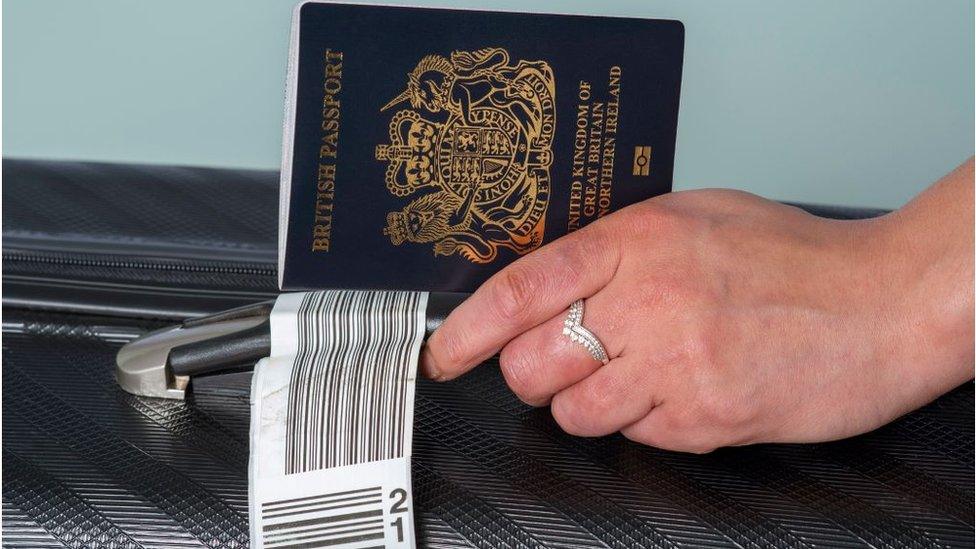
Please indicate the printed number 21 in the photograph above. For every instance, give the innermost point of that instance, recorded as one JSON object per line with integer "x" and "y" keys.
{"x": 399, "y": 497}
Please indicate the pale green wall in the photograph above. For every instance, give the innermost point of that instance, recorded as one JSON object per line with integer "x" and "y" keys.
{"x": 844, "y": 101}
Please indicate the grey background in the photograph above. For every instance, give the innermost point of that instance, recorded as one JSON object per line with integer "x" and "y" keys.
{"x": 832, "y": 101}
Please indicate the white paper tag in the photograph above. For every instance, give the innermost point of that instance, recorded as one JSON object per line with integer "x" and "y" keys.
{"x": 332, "y": 421}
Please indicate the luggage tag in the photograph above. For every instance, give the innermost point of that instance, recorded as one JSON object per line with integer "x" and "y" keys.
{"x": 332, "y": 421}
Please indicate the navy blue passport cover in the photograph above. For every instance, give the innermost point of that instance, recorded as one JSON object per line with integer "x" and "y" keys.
{"x": 425, "y": 149}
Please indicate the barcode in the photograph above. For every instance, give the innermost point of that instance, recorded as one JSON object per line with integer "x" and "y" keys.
{"x": 326, "y": 520}
{"x": 348, "y": 398}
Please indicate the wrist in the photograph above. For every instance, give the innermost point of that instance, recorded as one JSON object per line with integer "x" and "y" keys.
{"x": 923, "y": 300}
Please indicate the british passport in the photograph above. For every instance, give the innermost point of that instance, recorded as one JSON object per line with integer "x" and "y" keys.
{"x": 425, "y": 149}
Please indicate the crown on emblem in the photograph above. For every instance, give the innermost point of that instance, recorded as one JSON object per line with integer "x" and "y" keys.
{"x": 410, "y": 153}
{"x": 396, "y": 227}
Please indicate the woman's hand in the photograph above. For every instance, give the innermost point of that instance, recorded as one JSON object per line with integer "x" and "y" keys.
{"x": 730, "y": 319}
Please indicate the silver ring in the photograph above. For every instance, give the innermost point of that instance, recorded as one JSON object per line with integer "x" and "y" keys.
{"x": 573, "y": 328}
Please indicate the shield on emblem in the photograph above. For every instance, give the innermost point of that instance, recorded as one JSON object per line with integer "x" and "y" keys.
{"x": 479, "y": 155}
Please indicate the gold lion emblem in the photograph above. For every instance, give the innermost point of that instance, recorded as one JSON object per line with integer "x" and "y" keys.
{"x": 477, "y": 145}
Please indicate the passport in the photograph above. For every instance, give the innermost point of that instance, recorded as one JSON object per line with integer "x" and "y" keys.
{"x": 425, "y": 149}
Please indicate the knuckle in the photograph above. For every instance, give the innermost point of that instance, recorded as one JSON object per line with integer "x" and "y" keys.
{"x": 720, "y": 409}
{"x": 450, "y": 349}
{"x": 596, "y": 240}
{"x": 715, "y": 410}
{"x": 598, "y": 395}
{"x": 583, "y": 410}
{"x": 731, "y": 414}
{"x": 705, "y": 340}
{"x": 519, "y": 367}
{"x": 698, "y": 355}
{"x": 572, "y": 258}
{"x": 715, "y": 403}
{"x": 568, "y": 415}
{"x": 516, "y": 292}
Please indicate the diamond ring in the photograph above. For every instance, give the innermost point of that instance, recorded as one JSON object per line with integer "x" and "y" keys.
{"x": 573, "y": 328}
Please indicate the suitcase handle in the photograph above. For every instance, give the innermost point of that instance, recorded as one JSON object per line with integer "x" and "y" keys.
{"x": 161, "y": 363}
{"x": 244, "y": 348}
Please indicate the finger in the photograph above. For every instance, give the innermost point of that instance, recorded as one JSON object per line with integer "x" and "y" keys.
{"x": 544, "y": 361}
{"x": 613, "y": 397}
{"x": 521, "y": 296}
{"x": 663, "y": 429}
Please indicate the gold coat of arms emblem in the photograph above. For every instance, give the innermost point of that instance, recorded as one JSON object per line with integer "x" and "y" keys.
{"x": 474, "y": 151}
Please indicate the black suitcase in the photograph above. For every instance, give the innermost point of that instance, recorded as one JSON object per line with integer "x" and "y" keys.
{"x": 96, "y": 254}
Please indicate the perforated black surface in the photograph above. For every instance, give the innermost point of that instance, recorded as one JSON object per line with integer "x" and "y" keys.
{"x": 88, "y": 465}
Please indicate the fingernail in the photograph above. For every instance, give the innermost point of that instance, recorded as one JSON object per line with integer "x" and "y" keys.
{"x": 428, "y": 366}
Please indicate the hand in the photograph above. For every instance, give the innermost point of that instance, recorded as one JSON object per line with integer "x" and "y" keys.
{"x": 730, "y": 319}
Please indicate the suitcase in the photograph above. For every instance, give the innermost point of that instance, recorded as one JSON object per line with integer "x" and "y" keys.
{"x": 96, "y": 254}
